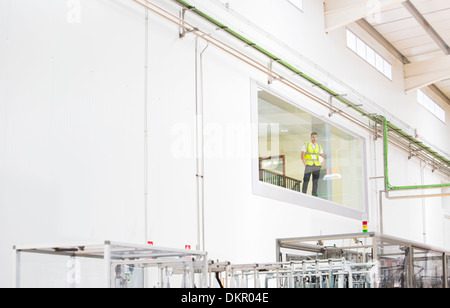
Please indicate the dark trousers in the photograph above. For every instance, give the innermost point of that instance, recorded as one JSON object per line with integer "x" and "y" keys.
{"x": 315, "y": 172}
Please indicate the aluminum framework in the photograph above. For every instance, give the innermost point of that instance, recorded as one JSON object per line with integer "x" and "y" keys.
{"x": 371, "y": 245}
{"x": 330, "y": 273}
{"x": 399, "y": 137}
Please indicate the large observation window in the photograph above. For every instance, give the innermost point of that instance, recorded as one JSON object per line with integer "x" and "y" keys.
{"x": 284, "y": 132}
{"x": 430, "y": 105}
{"x": 297, "y": 3}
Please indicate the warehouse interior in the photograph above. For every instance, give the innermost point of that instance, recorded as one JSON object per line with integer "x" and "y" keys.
{"x": 225, "y": 143}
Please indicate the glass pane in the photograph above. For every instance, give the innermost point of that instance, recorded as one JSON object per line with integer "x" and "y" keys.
{"x": 428, "y": 103}
{"x": 393, "y": 265}
{"x": 297, "y": 3}
{"x": 448, "y": 271}
{"x": 431, "y": 106}
{"x": 55, "y": 271}
{"x": 387, "y": 70}
{"x": 285, "y": 134}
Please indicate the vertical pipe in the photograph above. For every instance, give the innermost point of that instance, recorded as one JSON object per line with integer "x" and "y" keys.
{"x": 375, "y": 184}
{"x": 192, "y": 273}
{"x": 205, "y": 271}
{"x": 16, "y": 264}
{"x": 380, "y": 196}
{"x": 375, "y": 258}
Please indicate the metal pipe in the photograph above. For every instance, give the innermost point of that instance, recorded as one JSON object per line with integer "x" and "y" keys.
{"x": 107, "y": 264}
{"x": 199, "y": 148}
{"x": 146, "y": 48}
{"x": 16, "y": 267}
{"x": 417, "y": 196}
{"x": 424, "y": 211}
{"x": 275, "y": 76}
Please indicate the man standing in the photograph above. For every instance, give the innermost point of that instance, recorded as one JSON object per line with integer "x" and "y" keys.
{"x": 310, "y": 157}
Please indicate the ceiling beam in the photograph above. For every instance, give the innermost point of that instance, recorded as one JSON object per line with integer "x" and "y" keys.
{"x": 338, "y": 13}
{"x": 426, "y": 26}
{"x": 424, "y": 73}
{"x": 364, "y": 24}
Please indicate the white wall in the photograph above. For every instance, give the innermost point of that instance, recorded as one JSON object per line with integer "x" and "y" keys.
{"x": 72, "y": 110}
{"x": 71, "y": 124}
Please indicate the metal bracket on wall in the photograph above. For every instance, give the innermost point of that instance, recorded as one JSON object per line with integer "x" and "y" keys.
{"x": 401, "y": 137}
{"x": 377, "y": 129}
{"x": 183, "y": 31}
{"x": 413, "y": 152}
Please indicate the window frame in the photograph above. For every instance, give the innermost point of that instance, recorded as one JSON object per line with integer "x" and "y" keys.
{"x": 296, "y": 5}
{"x": 290, "y": 196}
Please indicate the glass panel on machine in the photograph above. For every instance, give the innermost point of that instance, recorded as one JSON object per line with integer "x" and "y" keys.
{"x": 332, "y": 263}
{"x": 327, "y": 164}
{"x": 59, "y": 271}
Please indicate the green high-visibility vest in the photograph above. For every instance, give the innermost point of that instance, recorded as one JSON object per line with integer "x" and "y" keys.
{"x": 312, "y": 155}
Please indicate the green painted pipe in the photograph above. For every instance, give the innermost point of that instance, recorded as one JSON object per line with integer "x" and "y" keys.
{"x": 387, "y": 185}
{"x": 310, "y": 79}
